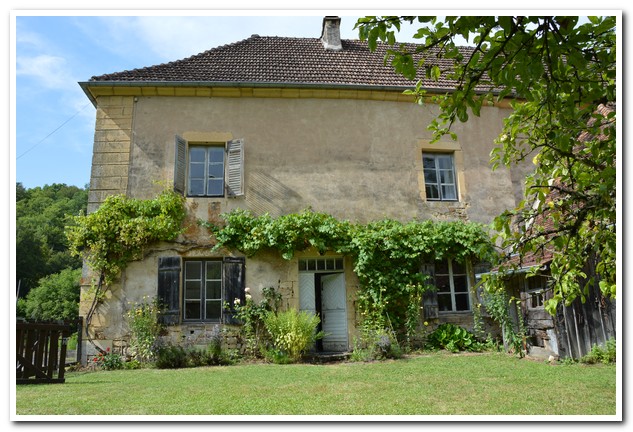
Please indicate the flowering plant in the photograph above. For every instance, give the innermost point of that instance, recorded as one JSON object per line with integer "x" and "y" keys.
{"x": 145, "y": 328}
{"x": 108, "y": 360}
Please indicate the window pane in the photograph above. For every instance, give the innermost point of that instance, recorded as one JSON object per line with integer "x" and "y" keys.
{"x": 216, "y": 170}
{"x": 444, "y": 303}
{"x": 196, "y": 171}
{"x": 458, "y": 268}
{"x": 302, "y": 265}
{"x": 428, "y": 162}
{"x": 461, "y": 302}
{"x": 192, "y": 310}
{"x": 432, "y": 192}
{"x": 214, "y": 290}
{"x": 213, "y": 310}
{"x": 320, "y": 264}
{"x": 193, "y": 270}
{"x": 197, "y": 154}
{"x": 196, "y": 187}
{"x": 339, "y": 264}
{"x": 215, "y": 187}
{"x": 193, "y": 290}
{"x": 460, "y": 283}
{"x": 443, "y": 283}
{"x": 446, "y": 176}
{"x": 214, "y": 270}
{"x": 445, "y": 162}
{"x": 448, "y": 192}
{"x": 430, "y": 176}
{"x": 216, "y": 154}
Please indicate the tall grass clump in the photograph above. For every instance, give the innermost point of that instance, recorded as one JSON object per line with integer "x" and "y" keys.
{"x": 292, "y": 333}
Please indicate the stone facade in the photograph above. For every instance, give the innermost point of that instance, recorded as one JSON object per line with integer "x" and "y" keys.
{"x": 355, "y": 155}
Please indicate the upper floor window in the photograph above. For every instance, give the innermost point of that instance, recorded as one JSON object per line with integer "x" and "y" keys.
{"x": 209, "y": 169}
{"x": 439, "y": 177}
{"x": 206, "y": 171}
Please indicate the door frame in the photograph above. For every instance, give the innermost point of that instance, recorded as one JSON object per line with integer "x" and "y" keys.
{"x": 318, "y": 287}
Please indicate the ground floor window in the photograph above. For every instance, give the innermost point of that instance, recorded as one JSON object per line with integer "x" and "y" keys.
{"x": 203, "y": 291}
{"x": 451, "y": 280}
{"x": 199, "y": 290}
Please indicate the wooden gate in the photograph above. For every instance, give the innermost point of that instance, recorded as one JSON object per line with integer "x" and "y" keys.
{"x": 41, "y": 351}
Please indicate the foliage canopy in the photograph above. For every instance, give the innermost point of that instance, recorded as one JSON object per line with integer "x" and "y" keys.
{"x": 41, "y": 247}
{"x": 560, "y": 73}
{"x": 119, "y": 230}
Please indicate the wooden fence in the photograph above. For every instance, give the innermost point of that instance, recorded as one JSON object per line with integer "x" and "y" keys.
{"x": 41, "y": 351}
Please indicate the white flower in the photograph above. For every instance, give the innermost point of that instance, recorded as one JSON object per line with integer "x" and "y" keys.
{"x": 236, "y": 301}
{"x": 247, "y": 290}
{"x": 248, "y": 296}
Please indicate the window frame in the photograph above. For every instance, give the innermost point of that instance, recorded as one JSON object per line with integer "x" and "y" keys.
{"x": 203, "y": 300}
{"x": 232, "y": 167}
{"x": 431, "y": 270}
{"x": 208, "y": 148}
{"x": 437, "y": 171}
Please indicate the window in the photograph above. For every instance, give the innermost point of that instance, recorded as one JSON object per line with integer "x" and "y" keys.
{"x": 200, "y": 293}
{"x": 439, "y": 177}
{"x": 535, "y": 286}
{"x": 206, "y": 171}
{"x": 451, "y": 280}
{"x": 209, "y": 169}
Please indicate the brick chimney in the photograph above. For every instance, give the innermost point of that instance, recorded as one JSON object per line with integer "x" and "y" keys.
{"x": 331, "y": 33}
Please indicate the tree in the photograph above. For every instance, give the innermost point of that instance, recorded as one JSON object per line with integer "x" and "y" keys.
{"x": 55, "y": 298}
{"x": 41, "y": 245}
{"x": 561, "y": 76}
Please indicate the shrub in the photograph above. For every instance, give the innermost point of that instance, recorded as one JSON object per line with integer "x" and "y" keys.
{"x": 292, "y": 333}
{"x": 108, "y": 360}
{"x": 171, "y": 357}
{"x": 375, "y": 345}
{"x": 251, "y": 315}
{"x": 453, "y": 338}
{"x": 599, "y": 354}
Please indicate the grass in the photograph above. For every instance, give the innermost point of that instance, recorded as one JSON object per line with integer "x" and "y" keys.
{"x": 434, "y": 384}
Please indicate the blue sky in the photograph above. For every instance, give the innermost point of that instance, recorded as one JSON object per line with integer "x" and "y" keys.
{"x": 54, "y": 119}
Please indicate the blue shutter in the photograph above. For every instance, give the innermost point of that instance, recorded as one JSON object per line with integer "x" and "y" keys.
{"x": 235, "y": 168}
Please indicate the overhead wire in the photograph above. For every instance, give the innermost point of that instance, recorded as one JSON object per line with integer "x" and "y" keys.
{"x": 56, "y": 129}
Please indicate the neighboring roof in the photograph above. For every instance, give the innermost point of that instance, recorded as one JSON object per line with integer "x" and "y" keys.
{"x": 285, "y": 61}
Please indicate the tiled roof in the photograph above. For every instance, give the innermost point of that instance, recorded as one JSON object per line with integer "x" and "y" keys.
{"x": 272, "y": 60}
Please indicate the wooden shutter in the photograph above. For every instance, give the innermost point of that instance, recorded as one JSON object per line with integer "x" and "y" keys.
{"x": 180, "y": 168}
{"x": 429, "y": 298}
{"x": 234, "y": 174}
{"x": 234, "y": 284}
{"x": 169, "y": 288}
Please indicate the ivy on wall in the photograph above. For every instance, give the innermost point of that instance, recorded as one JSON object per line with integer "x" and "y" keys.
{"x": 119, "y": 230}
{"x": 387, "y": 254}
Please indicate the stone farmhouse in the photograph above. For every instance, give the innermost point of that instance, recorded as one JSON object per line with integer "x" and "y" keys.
{"x": 277, "y": 125}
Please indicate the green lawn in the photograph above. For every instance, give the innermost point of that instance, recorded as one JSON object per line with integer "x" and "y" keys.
{"x": 434, "y": 384}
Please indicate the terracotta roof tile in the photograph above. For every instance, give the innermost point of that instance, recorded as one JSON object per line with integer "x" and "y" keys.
{"x": 267, "y": 60}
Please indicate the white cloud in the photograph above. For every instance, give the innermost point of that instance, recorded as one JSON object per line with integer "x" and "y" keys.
{"x": 49, "y": 71}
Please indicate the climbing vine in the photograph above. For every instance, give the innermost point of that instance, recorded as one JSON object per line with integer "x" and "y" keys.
{"x": 119, "y": 230}
{"x": 387, "y": 254}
